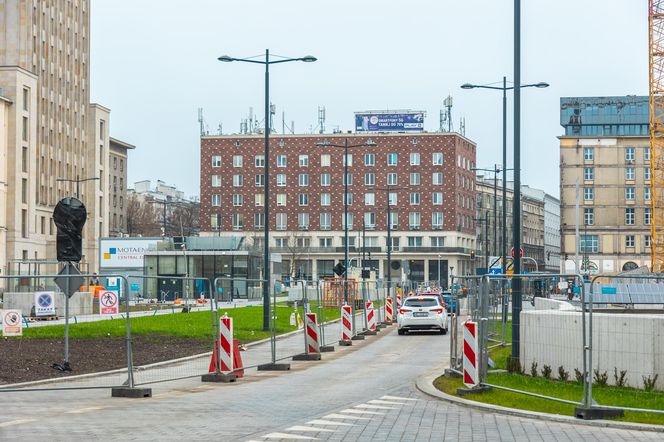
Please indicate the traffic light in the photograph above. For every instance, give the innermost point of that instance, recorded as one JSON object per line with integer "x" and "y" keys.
{"x": 472, "y": 254}
{"x": 69, "y": 217}
{"x": 339, "y": 269}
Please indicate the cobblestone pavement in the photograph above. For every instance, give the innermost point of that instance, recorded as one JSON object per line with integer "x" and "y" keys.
{"x": 360, "y": 393}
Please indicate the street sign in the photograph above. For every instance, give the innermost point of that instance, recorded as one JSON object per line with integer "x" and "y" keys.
{"x": 45, "y": 304}
{"x": 12, "y": 323}
{"x": 108, "y": 303}
{"x": 520, "y": 252}
{"x": 69, "y": 284}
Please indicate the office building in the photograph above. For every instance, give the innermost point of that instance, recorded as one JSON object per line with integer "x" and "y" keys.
{"x": 117, "y": 186}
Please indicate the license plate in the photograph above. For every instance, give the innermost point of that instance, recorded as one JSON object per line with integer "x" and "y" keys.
{"x": 420, "y": 314}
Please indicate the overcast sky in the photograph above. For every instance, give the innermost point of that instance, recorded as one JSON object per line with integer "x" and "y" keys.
{"x": 154, "y": 63}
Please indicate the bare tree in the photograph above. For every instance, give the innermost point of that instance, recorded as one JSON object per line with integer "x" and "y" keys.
{"x": 142, "y": 217}
{"x": 297, "y": 246}
{"x": 183, "y": 220}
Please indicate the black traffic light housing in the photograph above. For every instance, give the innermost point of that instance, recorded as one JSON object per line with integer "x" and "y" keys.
{"x": 472, "y": 254}
{"x": 69, "y": 217}
{"x": 339, "y": 269}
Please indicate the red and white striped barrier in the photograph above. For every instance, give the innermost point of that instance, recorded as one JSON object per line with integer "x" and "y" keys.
{"x": 371, "y": 316}
{"x": 389, "y": 311}
{"x": 313, "y": 337}
{"x": 399, "y": 299}
{"x": 346, "y": 324}
{"x": 470, "y": 355}
{"x": 226, "y": 343}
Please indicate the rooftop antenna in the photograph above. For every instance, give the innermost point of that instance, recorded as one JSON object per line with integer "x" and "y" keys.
{"x": 201, "y": 122}
{"x": 251, "y": 120}
{"x": 321, "y": 119}
{"x": 446, "y": 115}
{"x": 462, "y": 126}
{"x": 283, "y": 122}
{"x": 273, "y": 110}
{"x": 220, "y": 130}
{"x": 244, "y": 126}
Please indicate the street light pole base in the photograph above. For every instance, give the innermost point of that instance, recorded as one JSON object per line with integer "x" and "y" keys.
{"x": 273, "y": 367}
{"x": 592, "y": 413}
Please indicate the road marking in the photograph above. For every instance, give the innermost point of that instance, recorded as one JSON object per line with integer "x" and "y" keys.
{"x": 303, "y": 428}
{"x": 287, "y": 436}
{"x": 84, "y": 410}
{"x": 350, "y": 410}
{"x": 397, "y": 398}
{"x": 377, "y": 407}
{"x": 16, "y": 422}
{"x": 379, "y": 402}
{"x": 324, "y": 422}
{"x": 344, "y": 416}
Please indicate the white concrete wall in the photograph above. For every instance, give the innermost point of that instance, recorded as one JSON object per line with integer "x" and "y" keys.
{"x": 626, "y": 341}
{"x": 552, "y": 304}
{"x": 79, "y": 304}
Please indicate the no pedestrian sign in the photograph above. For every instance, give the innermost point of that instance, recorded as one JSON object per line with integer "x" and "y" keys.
{"x": 108, "y": 303}
{"x": 12, "y": 323}
{"x": 45, "y": 304}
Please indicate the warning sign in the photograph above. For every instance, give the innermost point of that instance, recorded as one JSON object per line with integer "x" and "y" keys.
{"x": 108, "y": 303}
{"x": 45, "y": 304}
{"x": 12, "y": 323}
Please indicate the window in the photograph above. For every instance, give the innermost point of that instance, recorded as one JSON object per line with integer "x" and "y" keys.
{"x": 26, "y": 100}
{"x": 414, "y": 198}
{"x": 437, "y": 198}
{"x": 303, "y": 179}
{"x": 370, "y": 241}
{"x": 629, "y": 240}
{"x": 369, "y": 179}
{"x": 588, "y": 193}
{"x": 281, "y": 199}
{"x": 238, "y": 199}
{"x": 588, "y": 153}
{"x": 369, "y": 220}
{"x": 369, "y": 199}
{"x": 325, "y": 179}
{"x": 216, "y": 180}
{"x": 646, "y": 193}
{"x": 414, "y": 241}
{"x": 629, "y": 216}
{"x": 216, "y": 161}
{"x": 237, "y": 160}
{"x": 214, "y": 221}
{"x": 325, "y": 199}
{"x": 259, "y": 222}
{"x": 259, "y": 160}
{"x": 325, "y": 160}
{"x": 281, "y": 242}
{"x": 629, "y": 173}
{"x": 349, "y": 220}
{"x": 646, "y": 153}
{"x": 414, "y": 158}
{"x": 437, "y": 241}
{"x": 282, "y": 161}
{"x": 630, "y": 154}
{"x": 348, "y": 158}
{"x": 588, "y": 173}
{"x": 646, "y": 173}
{"x": 369, "y": 159}
{"x": 391, "y": 159}
{"x": 216, "y": 200}
{"x": 348, "y": 179}
{"x": 437, "y": 158}
{"x": 394, "y": 220}
{"x": 24, "y": 159}
{"x": 303, "y": 220}
{"x": 238, "y": 221}
{"x": 588, "y": 216}
{"x": 414, "y": 220}
{"x": 237, "y": 180}
{"x": 324, "y": 242}
{"x": 325, "y": 221}
{"x": 259, "y": 179}
{"x": 24, "y": 191}
{"x": 647, "y": 216}
{"x": 630, "y": 193}
{"x": 258, "y": 199}
{"x": 304, "y": 160}
{"x": 395, "y": 244}
{"x": 437, "y": 220}
{"x": 282, "y": 221}
{"x": 349, "y": 199}
{"x": 415, "y": 179}
{"x": 646, "y": 240}
{"x": 392, "y": 198}
{"x": 392, "y": 179}
{"x": 281, "y": 179}
{"x": 101, "y": 130}
{"x": 303, "y": 199}
{"x": 437, "y": 178}
{"x": 589, "y": 244}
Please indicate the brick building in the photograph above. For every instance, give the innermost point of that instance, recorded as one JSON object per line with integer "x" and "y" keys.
{"x": 427, "y": 177}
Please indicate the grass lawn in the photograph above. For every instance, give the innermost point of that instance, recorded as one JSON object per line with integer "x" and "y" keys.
{"x": 570, "y": 390}
{"x": 247, "y": 325}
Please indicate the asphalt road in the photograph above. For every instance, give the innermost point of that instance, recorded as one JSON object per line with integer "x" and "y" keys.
{"x": 364, "y": 393}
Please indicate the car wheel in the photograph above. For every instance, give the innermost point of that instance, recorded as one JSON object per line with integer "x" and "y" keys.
{"x": 443, "y": 331}
{"x": 401, "y": 331}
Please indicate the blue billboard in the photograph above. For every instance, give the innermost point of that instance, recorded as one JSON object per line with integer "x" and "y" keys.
{"x": 389, "y": 122}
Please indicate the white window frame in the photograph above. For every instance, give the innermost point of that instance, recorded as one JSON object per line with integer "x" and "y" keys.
{"x": 238, "y": 180}
{"x": 369, "y": 179}
{"x": 392, "y": 159}
{"x": 281, "y": 220}
{"x": 303, "y": 160}
{"x": 390, "y": 181}
{"x": 588, "y": 153}
{"x": 325, "y": 199}
{"x": 216, "y": 180}
{"x": 281, "y": 180}
{"x": 325, "y": 160}
{"x": 630, "y": 174}
{"x": 216, "y": 160}
{"x": 370, "y": 159}
{"x": 414, "y": 158}
{"x": 237, "y": 160}
{"x": 282, "y": 160}
{"x": 437, "y": 198}
{"x": 238, "y": 200}
{"x": 325, "y": 221}
{"x": 325, "y": 179}
{"x": 259, "y": 161}
{"x": 303, "y": 180}
{"x": 437, "y": 178}
{"x": 282, "y": 199}
{"x": 415, "y": 178}
{"x": 369, "y": 199}
{"x": 216, "y": 200}
{"x": 437, "y": 158}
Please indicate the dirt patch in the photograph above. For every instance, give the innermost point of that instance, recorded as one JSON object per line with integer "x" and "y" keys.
{"x": 24, "y": 360}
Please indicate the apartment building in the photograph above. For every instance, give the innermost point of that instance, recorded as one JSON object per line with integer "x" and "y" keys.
{"x": 117, "y": 186}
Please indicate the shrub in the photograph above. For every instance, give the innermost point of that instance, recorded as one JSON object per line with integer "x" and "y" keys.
{"x": 578, "y": 375}
{"x": 562, "y": 374}
{"x": 600, "y": 379}
{"x": 514, "y": 365}
{"x": 620, "y": 380}
{"x": 533, "y": 369}
{"x": 546, "y": 372}
{"x": 649, "y": 383}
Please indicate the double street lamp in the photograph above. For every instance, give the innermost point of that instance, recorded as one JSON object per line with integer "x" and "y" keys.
{"x": 266, "y": 208}
{"x": 78, "y": 182}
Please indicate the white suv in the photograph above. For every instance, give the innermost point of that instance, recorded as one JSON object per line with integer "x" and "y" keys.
{"x": 422, "y": 313}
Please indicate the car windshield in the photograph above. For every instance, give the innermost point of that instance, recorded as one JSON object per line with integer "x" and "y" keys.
{"x": 421, "y": 302}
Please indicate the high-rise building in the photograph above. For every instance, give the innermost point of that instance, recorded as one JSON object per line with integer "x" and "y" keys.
{"x": 605, "y": 151}
{"x": 117, "y": 186}
{"x": 426, "y": 178}
{"x": 56, "y": 142}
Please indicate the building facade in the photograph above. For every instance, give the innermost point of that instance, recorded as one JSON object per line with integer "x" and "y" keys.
{"x": 426, "y": 178}
{"x": 117, "y": 189}
{"x": 54, "y": 139}
{"x": 606, "y": 152}
{"x": 173, "y": 212}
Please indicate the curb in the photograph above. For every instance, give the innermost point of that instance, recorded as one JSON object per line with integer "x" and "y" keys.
{"x": 424, "y": 384}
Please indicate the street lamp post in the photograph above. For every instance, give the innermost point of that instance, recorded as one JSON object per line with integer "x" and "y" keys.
{"x": 266, "y": 208}
{"x": 325, "y": 143}
{"x": 516, "y": 209}
{"x": 78, "y": 182}
{"x": 389, "y": 239}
